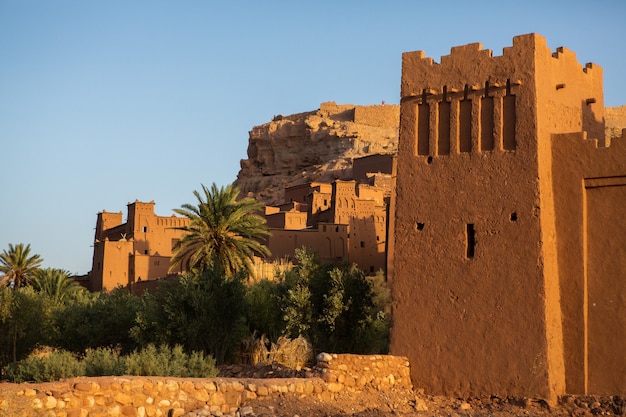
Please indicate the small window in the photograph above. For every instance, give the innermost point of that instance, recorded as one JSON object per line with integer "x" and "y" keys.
{"x": 362, "y": 244}
{"x": 145, "y": 229}
{"x": 145, "y": 252}
{"x": 471, "y": 240}
{"x": 419, "y": 226}
{"x": 371, "y": 268}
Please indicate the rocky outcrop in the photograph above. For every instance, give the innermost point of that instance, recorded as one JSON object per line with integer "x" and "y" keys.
{"x": 314, "y": 146}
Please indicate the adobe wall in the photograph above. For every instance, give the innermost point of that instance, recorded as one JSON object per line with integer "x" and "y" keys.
{"x": 615, "y": 120}
{"x": 139, "y": 248}
{"x": 590, "y": 196}
{"x": 330, "y": 241}
{"x": 379, "y": 116}
{"x": 165, "y": 396}
{"x": 110, "y": 264}
{"x": 469, "y": 302}
{"x": 361, "y": 167}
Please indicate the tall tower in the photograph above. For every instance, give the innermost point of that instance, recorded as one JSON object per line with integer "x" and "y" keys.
{"x": 474, "y": 259}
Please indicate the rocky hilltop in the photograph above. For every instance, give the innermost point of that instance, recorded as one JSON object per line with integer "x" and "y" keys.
{"x": 320, "y": 145}
{"x": 314, "y": 146}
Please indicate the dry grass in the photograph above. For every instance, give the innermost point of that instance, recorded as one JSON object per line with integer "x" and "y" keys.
{"x": 292, "y": 353}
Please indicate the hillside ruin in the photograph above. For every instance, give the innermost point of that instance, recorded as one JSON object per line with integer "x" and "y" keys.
{"x": 316, "y": 146}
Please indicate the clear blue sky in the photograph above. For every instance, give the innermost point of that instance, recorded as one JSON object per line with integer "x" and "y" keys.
{"x": 105, "y": 102}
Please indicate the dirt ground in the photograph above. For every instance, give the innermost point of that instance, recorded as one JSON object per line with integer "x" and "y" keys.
{"x": 408, "y": 403}
{"x": 398, "y": 402}
{"x": 378, "y": 404}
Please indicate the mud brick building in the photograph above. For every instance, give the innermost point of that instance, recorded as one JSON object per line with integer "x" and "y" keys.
{"x": 135, "y": 251}
{"x": 508, "y": 251}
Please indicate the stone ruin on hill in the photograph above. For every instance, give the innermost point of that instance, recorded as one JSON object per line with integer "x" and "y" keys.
{"x": 314, "y": 146}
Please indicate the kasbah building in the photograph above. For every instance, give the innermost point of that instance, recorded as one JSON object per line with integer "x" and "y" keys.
{"x": 506, "y": 239}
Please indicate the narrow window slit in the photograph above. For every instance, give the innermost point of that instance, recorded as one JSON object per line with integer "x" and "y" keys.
{"x": 471, "y": 240}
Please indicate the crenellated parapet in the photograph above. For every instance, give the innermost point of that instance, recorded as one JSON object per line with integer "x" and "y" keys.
{"x": 474, "y": 102}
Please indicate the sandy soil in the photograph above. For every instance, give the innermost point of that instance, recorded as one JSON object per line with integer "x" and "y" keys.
{"x": 407, "y": 403}
{"x": 398, "y": 402}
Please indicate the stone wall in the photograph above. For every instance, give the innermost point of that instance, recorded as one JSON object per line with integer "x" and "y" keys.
{"x": 166, "y": 396}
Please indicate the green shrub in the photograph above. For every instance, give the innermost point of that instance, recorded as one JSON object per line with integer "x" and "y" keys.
{"x": 338, "y": 308}
{"x": 166, "y": 361}
{"x": 199, "y": 366}
{"x": 45, "y": 365}
{"x": 204, "y": 311}
{"x": 49, "y": 364}
{"x": 262, "y": 314}
{"x": 103, "y": 362}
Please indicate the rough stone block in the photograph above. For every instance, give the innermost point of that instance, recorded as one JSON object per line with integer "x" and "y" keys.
{"x": 79, "y": 412}
{"x": 233, "y": 398}
{"x": 176, "y": 412}
{"x": 85, "y": 387}
{"x": 201, "y": 395}
{"x": 129, "y": 410}
{"x": 164, "y": 403}
{"x": 217, "y": 399}
{"x": 123, "y": 398}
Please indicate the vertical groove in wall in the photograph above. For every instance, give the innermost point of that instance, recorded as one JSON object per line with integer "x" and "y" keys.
{"x": 486, "y": 124}
{"x": 443, "y": 136}
{"x": 509, "y": 120}
{"x": 465, "y": 128}
{"x": 423, "y": 128}
{"x": 585, "y": 294}
{"x": 470, "y": 236}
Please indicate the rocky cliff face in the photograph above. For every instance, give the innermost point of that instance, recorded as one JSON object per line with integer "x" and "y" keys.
{"x": 314, "y": 146}
{"x": 320, "y": 146}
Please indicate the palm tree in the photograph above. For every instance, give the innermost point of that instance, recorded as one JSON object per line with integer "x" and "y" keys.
{"x": 17, "y": 265}
{"x": 54, "y": 283}
{"x": 222, "y": 232}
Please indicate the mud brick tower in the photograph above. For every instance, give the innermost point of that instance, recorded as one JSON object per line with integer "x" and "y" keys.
{"x": 508, "y": 263}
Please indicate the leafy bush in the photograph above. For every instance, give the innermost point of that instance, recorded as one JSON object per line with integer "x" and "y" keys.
{"x": 166, "y": 361}
{"x": 49, "y": 364}
{"x": 45, "y": 365}
{"x": 103, "y": 362}
{"x": 337, "y": 308}
{"x": 262, "y": 314}
{"x": 25, "y": 323}
{"x": 202, "y": 310}
{"x": 94, "y": 320}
